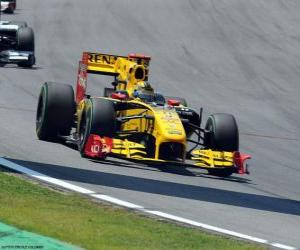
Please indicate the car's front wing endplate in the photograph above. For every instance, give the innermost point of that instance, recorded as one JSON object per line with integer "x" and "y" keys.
{"x": 208, "y": 159}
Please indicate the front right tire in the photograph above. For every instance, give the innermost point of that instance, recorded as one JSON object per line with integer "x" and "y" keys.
{"x": 99, "y": 118}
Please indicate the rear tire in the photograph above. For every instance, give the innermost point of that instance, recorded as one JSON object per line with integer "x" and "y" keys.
{"x": 25, "y": 39}
{"x": 55, "y": 111}
{"x": 224, "y": 136}
{"x": 99, "y": 118}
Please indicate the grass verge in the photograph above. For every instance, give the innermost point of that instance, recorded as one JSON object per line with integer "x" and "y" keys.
{"x": 78, "y": 220}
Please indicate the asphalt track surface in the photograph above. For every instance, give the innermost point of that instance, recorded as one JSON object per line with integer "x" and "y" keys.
{"x": 239, "y": 57}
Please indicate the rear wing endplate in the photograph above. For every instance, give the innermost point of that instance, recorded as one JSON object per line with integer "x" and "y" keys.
{"x": 95, "y": 63}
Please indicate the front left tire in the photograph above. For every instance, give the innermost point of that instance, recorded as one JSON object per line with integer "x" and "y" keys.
{"x": 55, "y": 111}
{"x": 223, "y": 136}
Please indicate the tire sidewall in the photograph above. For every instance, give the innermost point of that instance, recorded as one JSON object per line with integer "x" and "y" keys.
{"x": 85, "y": 120}
{"x": 42, "y": 113}
{"x": 55, "y": 111}
{"x": 219, "y": 128}
{"x": 224, "y": 132}
{"x": 90, "y": 119}
{"x": 28, "y": 44}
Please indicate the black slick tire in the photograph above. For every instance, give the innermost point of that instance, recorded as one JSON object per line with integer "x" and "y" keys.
{"x": 25, "y": 42}
{"x": 224, "y": 136}
{"x": 99, "y": 118}
{"x": 55, "y": 111}
{"x": 25, "y": 39}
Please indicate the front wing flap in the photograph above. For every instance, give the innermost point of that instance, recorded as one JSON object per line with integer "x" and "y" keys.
{"x": 128, "y": 149}
{"x": 208, "y": 159}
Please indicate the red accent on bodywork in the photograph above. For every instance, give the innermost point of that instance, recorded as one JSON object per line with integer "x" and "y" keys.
{"x": 82, "y": 78}
{"x": 118, "y": 96}
{"x": 141, "y": 56}
{"x": 97, "y": 146}
{"x": 173, "y": 102}
{"x": 239, "y": 161}
{"x": 85, "y": 57}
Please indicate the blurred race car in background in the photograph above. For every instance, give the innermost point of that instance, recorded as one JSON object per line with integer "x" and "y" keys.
{"x": 133, "y": 121}
{"x": 16, "y": 44}
{"x": 8, "y": 6}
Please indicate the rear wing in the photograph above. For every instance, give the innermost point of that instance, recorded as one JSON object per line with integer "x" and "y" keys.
{"x": 94, "y": 63}
{"x": 102, "y": 64}
{"x": 113, "y": 65}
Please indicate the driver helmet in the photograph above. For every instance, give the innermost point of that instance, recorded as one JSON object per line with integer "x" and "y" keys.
{"x": 144, "y": 92}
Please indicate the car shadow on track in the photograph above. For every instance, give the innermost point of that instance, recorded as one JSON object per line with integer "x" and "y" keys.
{"x": 84, "y": 177}
{"x": 178, "y": 170}
{"x": 232, "y": 178}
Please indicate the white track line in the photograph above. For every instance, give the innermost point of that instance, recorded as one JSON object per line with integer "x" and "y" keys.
{"x": 116, "y": 201}
{"x": 43, "y": 177}
{"x": 11, "y": 165}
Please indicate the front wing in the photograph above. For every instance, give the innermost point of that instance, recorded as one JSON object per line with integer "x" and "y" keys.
{"x": 100, "y": 147}
{"x": 13, "y": 56}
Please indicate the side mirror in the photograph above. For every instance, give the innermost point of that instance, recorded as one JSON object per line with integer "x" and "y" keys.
{"x": 173, "y": 102}
{"x": 121, "y": 95}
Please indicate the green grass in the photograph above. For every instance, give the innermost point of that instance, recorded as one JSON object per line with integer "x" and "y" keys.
{"x": 91, "y": 225}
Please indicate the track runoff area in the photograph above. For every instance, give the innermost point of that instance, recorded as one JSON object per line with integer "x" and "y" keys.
{"x": 36, "y": 175}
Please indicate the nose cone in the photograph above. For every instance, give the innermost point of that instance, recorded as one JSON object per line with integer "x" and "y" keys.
{"x": 170, "y": 126}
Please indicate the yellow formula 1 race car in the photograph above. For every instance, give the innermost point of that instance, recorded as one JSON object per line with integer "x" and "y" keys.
{"x": 132, "y": 121}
